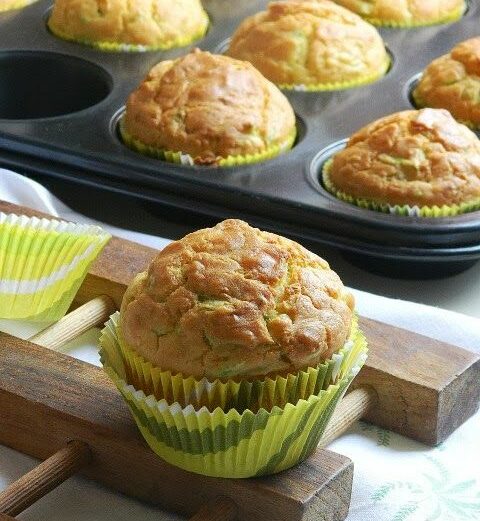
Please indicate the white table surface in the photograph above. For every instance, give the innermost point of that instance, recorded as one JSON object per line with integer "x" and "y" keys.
{"x": 458, "y": 293}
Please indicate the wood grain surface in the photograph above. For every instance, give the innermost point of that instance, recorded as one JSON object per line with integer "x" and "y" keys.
{"x": 427, "y": 388}
{"x": 48, "y": 399}
{"x": 423, "y": 388}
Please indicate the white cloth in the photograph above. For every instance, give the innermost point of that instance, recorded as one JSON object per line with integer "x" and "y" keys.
{"x": 396, "y": 479}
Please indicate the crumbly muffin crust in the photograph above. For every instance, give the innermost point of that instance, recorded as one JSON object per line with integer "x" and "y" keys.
{"x": 405, "y": 12}
{"x": 208, "y": 106}
{"x": 452, "y": 82}
{"x": 151, "y": 23}
{"x": 233, "y": 301}
{"x": 416, "y": 158}
{"x": 310, "y": 43}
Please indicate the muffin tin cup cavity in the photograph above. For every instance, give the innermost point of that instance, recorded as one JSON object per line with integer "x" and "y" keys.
{"x": 106, "y": 46}
{"x": 410, "y": 87}
{"x": 46, "y": 85}
{"x": 223, "y": 46}
{"x": 319, "y": 176}
{"x": 185, "y": 160}
{"x": 453, "y": 16}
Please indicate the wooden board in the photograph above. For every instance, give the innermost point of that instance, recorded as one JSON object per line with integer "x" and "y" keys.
{"x": 426, "y": 390}
{"x": 47, "y": 399}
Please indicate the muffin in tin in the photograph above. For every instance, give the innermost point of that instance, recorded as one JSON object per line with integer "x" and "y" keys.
{"x": 406, "y": 13}
{"x": 452, "y": 82}
{"x": 420, "y": 163}
{"x": 121, "y": 25}
{"x": 208, "y": 109}
{"x": 311, "y": 45}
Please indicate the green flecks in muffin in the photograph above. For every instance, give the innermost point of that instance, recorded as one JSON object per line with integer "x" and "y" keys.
{"x": 302, "y": 43}
{"x": 230, "y": 370}
{"x": 406, "y": 168}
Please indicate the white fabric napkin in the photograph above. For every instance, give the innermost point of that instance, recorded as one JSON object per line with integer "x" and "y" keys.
{"x": 396, "y": 479}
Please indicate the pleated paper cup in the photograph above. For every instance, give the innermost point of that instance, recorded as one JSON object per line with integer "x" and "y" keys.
{"x": 182, "y": 158}
{"x": 401, "y": 210}
{"x": 107, "y": 46}
{"x": 42, "y": 264}
{"x": 340, "y": 85}
{"x": 227, "y": 443}
{"x": 450, "y": 17}
{"x": 255, "y": 394}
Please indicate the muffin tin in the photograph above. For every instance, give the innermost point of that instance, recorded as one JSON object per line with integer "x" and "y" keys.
{"x": 60, "y": 104}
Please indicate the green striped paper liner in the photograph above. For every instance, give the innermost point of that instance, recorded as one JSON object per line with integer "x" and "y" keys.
{"x": 42, "y": 264}
{"x": 182, "y": 158}
{"x": 401, "y": 210}
{"x": 251, "y": 394}
{"x": 228, "y": 443}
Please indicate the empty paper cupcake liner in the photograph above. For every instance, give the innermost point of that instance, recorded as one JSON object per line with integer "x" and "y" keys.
{"x": 42, "y": 264}
{"x": 106, "y": 46}
{"x": 401, "y": 210}
{"x": 187, "y": 160}
{"x": 341, "y": 85}
{"x": 453, "y": 16}
{"x": 229, "y": 394}
{"x": 227, "y": 443}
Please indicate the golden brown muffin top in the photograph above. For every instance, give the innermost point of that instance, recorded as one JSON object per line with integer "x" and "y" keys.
{"x": 142, "y": 22}
{"x": 310, "y": 43}
{"x": 208, "y": 106}
{"x": 233, "y": 301}
{"x": 416, "y": 158}
{"x": 452, "y": 82}
{"x": 405, "y": 12}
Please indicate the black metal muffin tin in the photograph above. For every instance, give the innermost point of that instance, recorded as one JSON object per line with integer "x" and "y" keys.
{"x": 60, "y": 103}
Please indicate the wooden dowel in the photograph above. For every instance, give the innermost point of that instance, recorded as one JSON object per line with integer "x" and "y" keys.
{"x": 44, "y": 478}
{"x": 353, "y": 406}
{"x": 79, "y": 321}
{"x": 222, "y": 509}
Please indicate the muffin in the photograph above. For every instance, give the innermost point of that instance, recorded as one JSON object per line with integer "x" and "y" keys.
{"x": 124, "y": 25}
{"x": 406, "y": 13}
{"x": 452, "y": 82}
{"x": 236, "y": 302}
{"x": 210, "y": 110}
{"x": 413, "y": 162}
{"x": 233, "y": 349}
{"x": 308, "y": 45}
